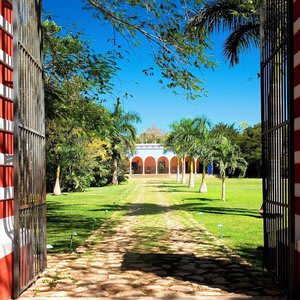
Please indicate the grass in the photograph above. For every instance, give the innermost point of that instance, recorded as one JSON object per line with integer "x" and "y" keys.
{"x": 239, "y": 214}
{"x": 85, "y": 212}
{"x": 82, "y": 213}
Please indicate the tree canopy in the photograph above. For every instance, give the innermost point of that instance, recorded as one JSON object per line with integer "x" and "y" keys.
{"x": 80, "y": 131}
{"x": 163, "y": 25}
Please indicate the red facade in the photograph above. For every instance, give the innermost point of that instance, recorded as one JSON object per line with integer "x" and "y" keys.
{"x": 6, "y": 149}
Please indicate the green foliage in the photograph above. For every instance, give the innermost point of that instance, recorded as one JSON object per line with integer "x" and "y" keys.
{"x": 248, "y": 138}
{"x": 251, "y": 149}
{"x": 80, "y": 132}
{"x": 227, "y": 130}
{"x": 122, "y": 136}
{"x": 241, "y": 18}
{"x": 228, "y": 157}
{"x": 163, "y": 25}
{"x": 67, "y": 56}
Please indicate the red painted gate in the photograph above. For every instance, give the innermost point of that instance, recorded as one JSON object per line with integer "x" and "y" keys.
{"x": 22, "y": 167}
{"x": 6, "y": 149}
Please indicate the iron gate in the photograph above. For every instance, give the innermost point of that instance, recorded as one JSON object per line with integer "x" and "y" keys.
{"x": 29, "y": 139}
{"x": 277, "y": 126}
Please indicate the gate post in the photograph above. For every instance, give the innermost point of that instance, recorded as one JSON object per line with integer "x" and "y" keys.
{"x": 29, "y": 244}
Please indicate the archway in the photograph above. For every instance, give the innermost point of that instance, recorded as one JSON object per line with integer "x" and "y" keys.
{"x": 173, "y": 164}
{"x": 188, "y": 164}
{"x": 199, "y": 166}
{"x": 163, "y": 165}
{"x": 137, "y": 165}
{"x": 150, "y": 165}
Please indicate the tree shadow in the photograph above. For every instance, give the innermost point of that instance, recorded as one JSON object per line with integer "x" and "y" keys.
{"x": 61, "y": 225}
{"x": 222, "y": 273}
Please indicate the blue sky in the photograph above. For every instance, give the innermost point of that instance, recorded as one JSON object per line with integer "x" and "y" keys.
{"x": 233, "y": 94}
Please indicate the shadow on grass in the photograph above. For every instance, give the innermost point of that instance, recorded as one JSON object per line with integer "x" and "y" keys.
{"x": 155, "y": 209}
{"x": 61, "y": 224}
{"x": 229, "y": 276}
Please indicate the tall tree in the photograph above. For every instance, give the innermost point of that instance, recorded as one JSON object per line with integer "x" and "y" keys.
{"x": 187, "y": 136}
{"x": 241, "y": 18}
{"x": 122, "y": 136}
{"x": 228, "y": 158}
{"x": 204, "y": 147}
{"x": 75, "y": 80}
{"x": 173, "y": 143}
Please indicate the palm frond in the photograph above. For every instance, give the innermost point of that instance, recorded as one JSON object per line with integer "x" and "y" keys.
{"x": 219, "y": 15}
{"x": 243, "y": 37}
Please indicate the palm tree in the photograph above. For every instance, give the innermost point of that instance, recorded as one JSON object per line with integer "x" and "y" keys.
{"x": 204, "y": 147}
{"x": 172, "y": 143}
{"x": 187, "y": 136}
{"x": 241, "y": 18}
{"x": 122, "y": 136}
{"x": 228, "y": 159}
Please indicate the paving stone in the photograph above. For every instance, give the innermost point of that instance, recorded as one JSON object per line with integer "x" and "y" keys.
{"x": 241, "y": 285}
{"x": 129, "y": 294}
{"x": 220, "y": 280}
{"x": 196, "y": 277}
{"x": 182, "y": 288}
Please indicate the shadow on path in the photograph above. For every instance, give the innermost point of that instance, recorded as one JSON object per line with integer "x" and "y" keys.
{"x": 221, "y": 272}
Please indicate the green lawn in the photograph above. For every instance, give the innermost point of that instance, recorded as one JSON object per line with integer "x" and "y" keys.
{"x": 82, "y": 213}
{"x": 242, "y": 224}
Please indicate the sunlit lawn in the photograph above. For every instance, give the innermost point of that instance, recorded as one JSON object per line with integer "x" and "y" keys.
{"x": 239, "y": 215}
{"x": 242, "y": 224}
{"x": 81, "y": 213}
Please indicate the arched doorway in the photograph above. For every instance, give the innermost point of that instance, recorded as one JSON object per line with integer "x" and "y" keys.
{"x": 199, "y": 166}
{"x": 174, "y": 163}
{"x": 150, "y": 165}
{"x": 188, "y": 164}
{"x": 163, "y": 165}
{"x": 137, "y": 165}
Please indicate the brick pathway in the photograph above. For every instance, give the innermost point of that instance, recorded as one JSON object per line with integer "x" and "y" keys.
{"x": 153, "y": 252}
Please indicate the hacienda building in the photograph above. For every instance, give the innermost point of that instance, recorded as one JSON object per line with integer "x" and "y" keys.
{"x": 154, "y": 159}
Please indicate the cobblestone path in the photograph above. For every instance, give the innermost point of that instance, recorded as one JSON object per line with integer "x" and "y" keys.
{"x": 152, "y": 252}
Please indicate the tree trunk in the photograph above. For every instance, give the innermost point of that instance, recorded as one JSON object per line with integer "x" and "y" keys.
{"x": 223, "y": 189}
{"x": 203, "y": 185}
{"x": 183, "y": 178}
{"x": 192, "y": 175}
{"x": 115, "y": 173}
{"x": 57, "y": 190}
{"x": 178, "y": 170}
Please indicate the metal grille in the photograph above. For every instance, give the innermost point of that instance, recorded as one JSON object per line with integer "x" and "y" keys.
{"x": 277, "y": 123}
{"x": 29, "y": 139}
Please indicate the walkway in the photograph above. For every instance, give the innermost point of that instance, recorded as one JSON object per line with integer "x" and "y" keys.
{"x": 154, "y": 252}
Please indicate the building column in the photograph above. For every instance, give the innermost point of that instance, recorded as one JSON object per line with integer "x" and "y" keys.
{"x": 169, "y": 166}
{"x": 143, "y": 161}
{"x": 130, "y": 166}
{"x": 195, "y": 164}
{"x": 156, "y": 163}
